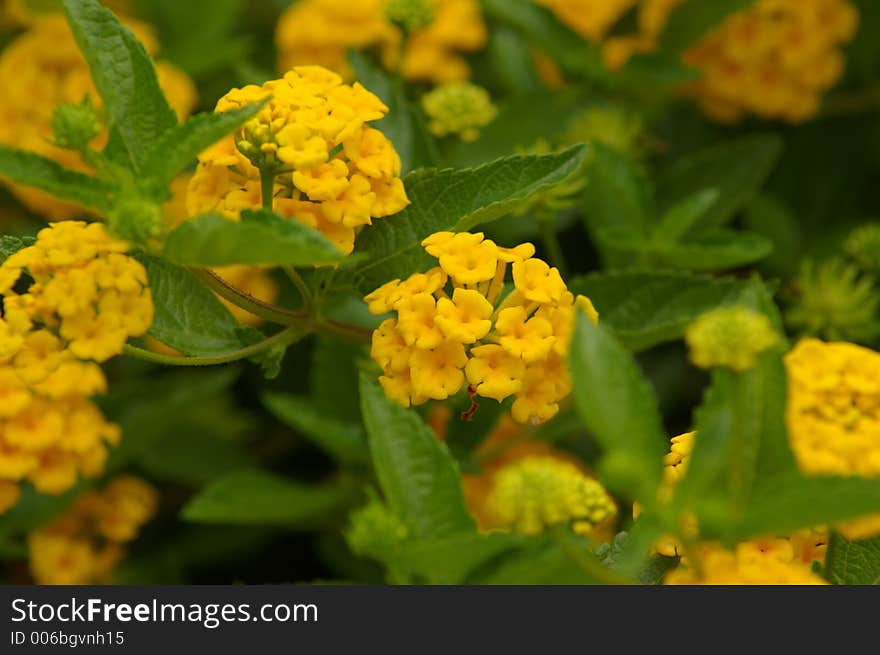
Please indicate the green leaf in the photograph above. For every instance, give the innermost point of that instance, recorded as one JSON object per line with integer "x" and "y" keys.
{"x": 179, "y": 146}
{"x": 189, "y": 317}
{"x": 402, "y": 125}
{"x": 454, "y": 200}
{"x": 646, "y": 308}
{"x": 853, "y": 562}
{"x": 260, "y": 237}
{"x": 134, "y": 106}
{"x": 10, "y": 245}
{"x": 736, "y": 169}
{"x": 253, "y": 497}
{"x": 618, "y": 199}
{"x": 740, "y": 428}
{"x": 767, "y": 216}
{"x": 32, "y": 170}
{"x": 784, "y": 503}
{"x": 617, "y": 404}
{"x": 676, "y": 221}
{"x": 344, "y": 440}
{"x": 573, "y": 53}
{"x": 713, "y": 250}
{"x": 539, "y": 562}
{"x": 419, "y": 478}
{"x": 691, "y": 20}
{"x": 450, "y": 560}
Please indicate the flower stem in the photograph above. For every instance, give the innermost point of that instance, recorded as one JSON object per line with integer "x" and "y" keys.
{"x": 285, "y": 337}
{"x": 247, "y": 302}
{"x": 267, "y": 187}
{"x": 300, "y": 285}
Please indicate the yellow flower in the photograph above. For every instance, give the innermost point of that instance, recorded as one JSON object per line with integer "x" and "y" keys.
{"x": 322, "y": 31}
{"x": 454, "y": 321}
{"x": 42, "y": 69}
{"x": 537, "y": 492}
{"x": 84, "y": 544}
{"x": 733, "y": 337}
{"x": 332, "y": 172}
{"x": 750, "y": 563}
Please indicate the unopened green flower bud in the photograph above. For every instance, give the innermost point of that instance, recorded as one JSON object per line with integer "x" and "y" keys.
{"x": 137, "y": 220}
{"x": 375, "y": 531}
{"x": 610, "y": 126}
{"x": 411, "y": 15}
{"x": 75, "y": 125}
{"x": 835, "y": 301}
{"x": 458, "y": 108}
{"x": 863, "y": 247}
{"x": 731, "y": 337}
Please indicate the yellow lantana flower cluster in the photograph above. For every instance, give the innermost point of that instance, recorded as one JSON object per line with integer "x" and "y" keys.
{"x": 733, "y": 337}
{"x": 457, "y": 322}
{"x": 86, "y": 297}
{"x": 773, "y": 561}
{"x": 333, "y": 172}
{"x": 322, "y": 32}
{"x": 834, "y": 415}
{"x": 85, "y": 543}
{"x": 774, "y": 59}
{"x": 43, "y": 68}
{"x": 537, "y": 492}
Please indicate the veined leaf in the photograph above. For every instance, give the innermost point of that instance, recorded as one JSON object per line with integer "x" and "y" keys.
{"x": 454, "y": 199}
{"x": 254, "y": 497}
{"x": 189, "y": 317}
{"x": 418, "y": 476}
{"x": 616, "y": 403}
{"x": 135, "y": 107}
{"x": 645, "y": 308}
{"x": 853, "y": 562}
{"x": 714, "y": 250}
{"x": 180, "y": 145}
{"x": 46, "y": 175}
{"x": 260, "y": 237}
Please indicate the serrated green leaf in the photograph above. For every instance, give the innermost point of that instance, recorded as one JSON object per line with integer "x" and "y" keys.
{"x": 180, "y": 145}
{"x": 689, "y": 21}
{"x": 418, "y": 476}
{"x": 134, "y": 106}
{"x": 32, "y": 170}
{"x": 449, "y": 560}
{"x": 344, "y": 440}
{"x": 646, "y": 308}
{"x": 10, "y": 245}
{"x": 254, "y": 497}
{"x": 454, "y": 200}
{"x": 616, "y": 403}
{"x": 736, "y": 169}
{"x": 260, "y": 237}
{"x": 853, "y": 562}
{"x": 784, "y": 503}
{"x": 188, "y": 317}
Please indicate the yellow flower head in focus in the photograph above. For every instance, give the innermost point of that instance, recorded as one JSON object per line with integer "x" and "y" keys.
{"x": 85, "y": 543}
{"x": 538, "y": 492}
{"x": 458, "y": 108}
{"x": 733, "y": 337}
{"x": 457, "y": 322}
{"x": 332, "y": 171}
{"x": 42, "y": 69}
{"x": 767, "y": 562}
{"x": 322, "y": 31}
